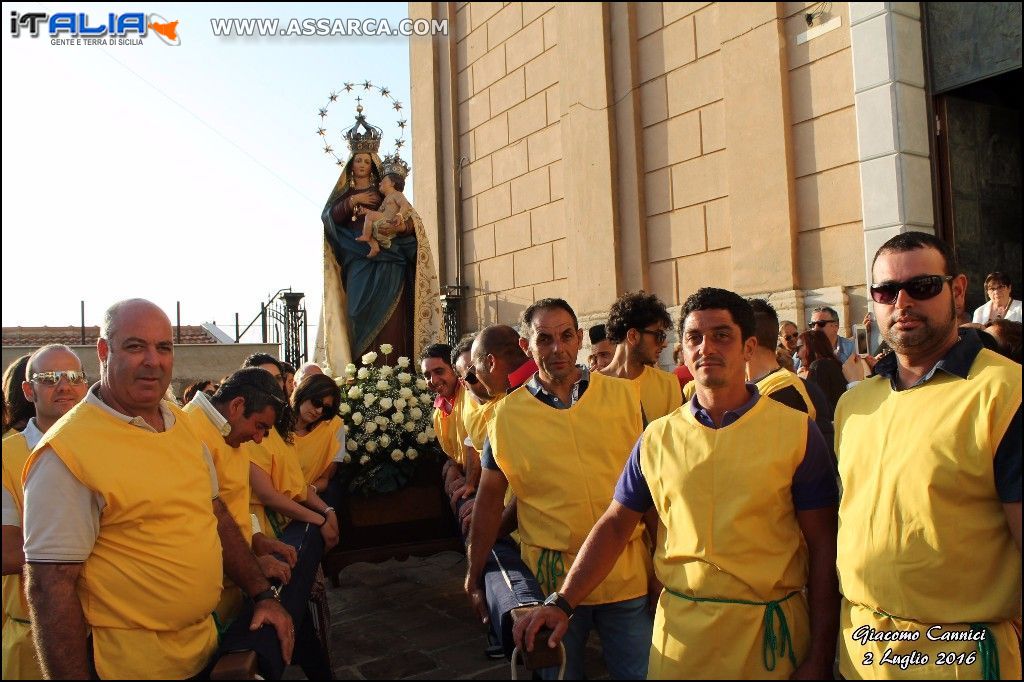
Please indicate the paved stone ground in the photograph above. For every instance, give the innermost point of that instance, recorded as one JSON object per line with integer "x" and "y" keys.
{"x": 411, "y": 620}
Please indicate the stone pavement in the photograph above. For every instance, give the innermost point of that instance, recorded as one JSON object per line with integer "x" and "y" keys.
{"x": 411, "y": 620}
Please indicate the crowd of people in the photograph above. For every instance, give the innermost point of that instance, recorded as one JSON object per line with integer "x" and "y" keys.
{"x": 780, "y": 505}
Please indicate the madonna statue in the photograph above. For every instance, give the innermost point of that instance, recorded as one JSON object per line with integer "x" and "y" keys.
{"x": 392, "y": 298}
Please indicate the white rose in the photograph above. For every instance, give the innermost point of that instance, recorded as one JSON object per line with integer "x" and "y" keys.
{"x": 400, "y": 404}
{"x": 411, "y": 454}
{"x": 365, "y": 459}
{"x": 421, "y": 438}
{"x": 410, "y": 426}
{"x": 371, "y": 446}
{"x": 386, "y": 349}
{"x": 344, "y": 408}
{"x": 386, "y": 403}
{"x": 405, "y": 392}
{"x": 425, "y": 398}
{"x": 346, "y": 459}
{"x": 404, "y": 378}
{"x": 431, "y": 434}
{"x": 383, "y": 385}
{"x": 362, "y": 373}
{"x": 403, "y": 362}
{"x": 381, "y": 421}
{"x": 350, "y": 369}
{"x": 396, "y": 455}
{"x": 355, "y": 393}
{"x": 357, "y": 418}
{"x": 398, "y": 417}
{"x": 368, "y": 399}
{"x": 369, "y": 358}
{"x": 386, "y": 371}
{"x": 351, "y": 446}
{"x": 384, "y": 440}
{"x": 416, "y": 413}
{"x": 370, "y": 427}
{"x": 421, "y": 385}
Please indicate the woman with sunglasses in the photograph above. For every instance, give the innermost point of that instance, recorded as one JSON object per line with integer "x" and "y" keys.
{"x": 1000, "y": 306}
{"x": 319, "y": 432}
{"x": 819, "y": 365}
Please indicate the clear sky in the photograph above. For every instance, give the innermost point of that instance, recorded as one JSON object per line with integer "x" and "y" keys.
{"x": 189, "y": 173}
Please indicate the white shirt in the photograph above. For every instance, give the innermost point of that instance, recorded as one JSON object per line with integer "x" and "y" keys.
{"x": 1013, "y": 312}
{"x": 32, "y": 436}
{"x": 62, "y": 515}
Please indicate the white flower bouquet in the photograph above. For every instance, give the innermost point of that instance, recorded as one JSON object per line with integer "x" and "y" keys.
{"x": 385, "y": 410}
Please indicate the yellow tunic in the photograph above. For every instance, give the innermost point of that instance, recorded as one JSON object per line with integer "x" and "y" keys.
{"x": 923, "y": 536}
{"x": 19, "y": 654}
{"x": 780, "y": 379}
{"x": 316, "y": 449}
{"x": 728, "y": 531}
{"x": 562, "y": 465}
{"x": 476, "y": 421}
{"x": 281, "y": 462}
{"x": 659, "y": 392}
{"x": 154, "y": 575}
{"x": 232, "y": 465}
{"x": 451, "y": 428}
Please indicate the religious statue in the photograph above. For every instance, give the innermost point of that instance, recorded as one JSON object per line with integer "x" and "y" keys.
{"x": 390, "y": 298}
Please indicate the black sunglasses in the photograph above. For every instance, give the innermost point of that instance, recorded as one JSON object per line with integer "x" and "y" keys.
{"x": 820, "y": 324}
{"x": 471, "y": 379}
{"x": 318, "y": 403}
{"x": 790, "y": 337}
{"x": 918, "y": 288}
{"x": 659, "y": 335}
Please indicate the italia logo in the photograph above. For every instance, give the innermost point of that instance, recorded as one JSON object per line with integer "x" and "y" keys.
{"x": 127, "y": 28}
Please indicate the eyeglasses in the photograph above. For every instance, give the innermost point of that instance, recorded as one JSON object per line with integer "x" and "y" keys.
{"x": 471, "y": 379}
{"x": 790, "y": 337}
{"x": 318, "y": 403}
{"x": 659, "y": 335}
{"x": 73, "y": 376}
{"x": 820, "y": 324}
{"x": 996, "y": 287}
{"x": 918, "y": 288}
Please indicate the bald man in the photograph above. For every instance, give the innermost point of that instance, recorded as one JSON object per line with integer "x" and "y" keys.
{"x": 54, "y": 383}
{"x": 129, "y": 564}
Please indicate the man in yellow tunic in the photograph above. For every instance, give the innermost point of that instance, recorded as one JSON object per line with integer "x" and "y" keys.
{"x": 746, "y": 496}
{"x": 559, "y": 442}
{"x": 638, "y": 324}
{"x": 54, "y": 382}
{"x": 130, "y": 562}
{"x": 930, "y": 458}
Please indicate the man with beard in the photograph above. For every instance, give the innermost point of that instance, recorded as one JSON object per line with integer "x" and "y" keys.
{"x": 638, "y": 325}
{"x": 930, "y": 458}
{"x": 559, "y": 444}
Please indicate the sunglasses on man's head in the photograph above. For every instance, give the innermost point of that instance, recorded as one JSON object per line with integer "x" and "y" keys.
{"x": 918, "y": 288}
{"x": 73, "y": 376}
{"x": 820, "y": 324}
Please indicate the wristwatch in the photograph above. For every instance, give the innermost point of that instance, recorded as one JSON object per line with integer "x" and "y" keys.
{"x": 268, "y": 593}
{"x": 557, "y": 600}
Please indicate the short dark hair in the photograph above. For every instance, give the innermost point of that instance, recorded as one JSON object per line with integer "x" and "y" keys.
{"x": 259, "y": 389}
{"x": 20, "y": 410}
{"x": 441, "y": 351}
{"x": 597, "y": 334}
{"x": 286, "y": 367}
{"x": 710, "y": 298}
{"x": 826, "y": 309}
{"x": 501, "y": 341}
{"x": 463, "y": 346}
{"x": 910, "y": 241}
{"x": 997, "y": 278}
{"x": 635, "y": 310}
{"x": 397, "y": 180}
{"x": 546, "y": 304}
{"x": 1009, "y": 343}
{"x": 317, "y": 386}
{"x": 257, "y": 359}
{"x": 193, "y": 388}
{"x": 766, "y": 323}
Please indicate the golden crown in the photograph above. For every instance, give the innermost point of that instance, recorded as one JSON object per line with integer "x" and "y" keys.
{"x": 393, "y": 163}
{"x": 367, "y": 141}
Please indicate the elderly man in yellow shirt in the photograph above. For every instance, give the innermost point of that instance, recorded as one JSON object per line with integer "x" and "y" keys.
{"x": 130, "y": 562}
{"x": 54, "y": 383}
